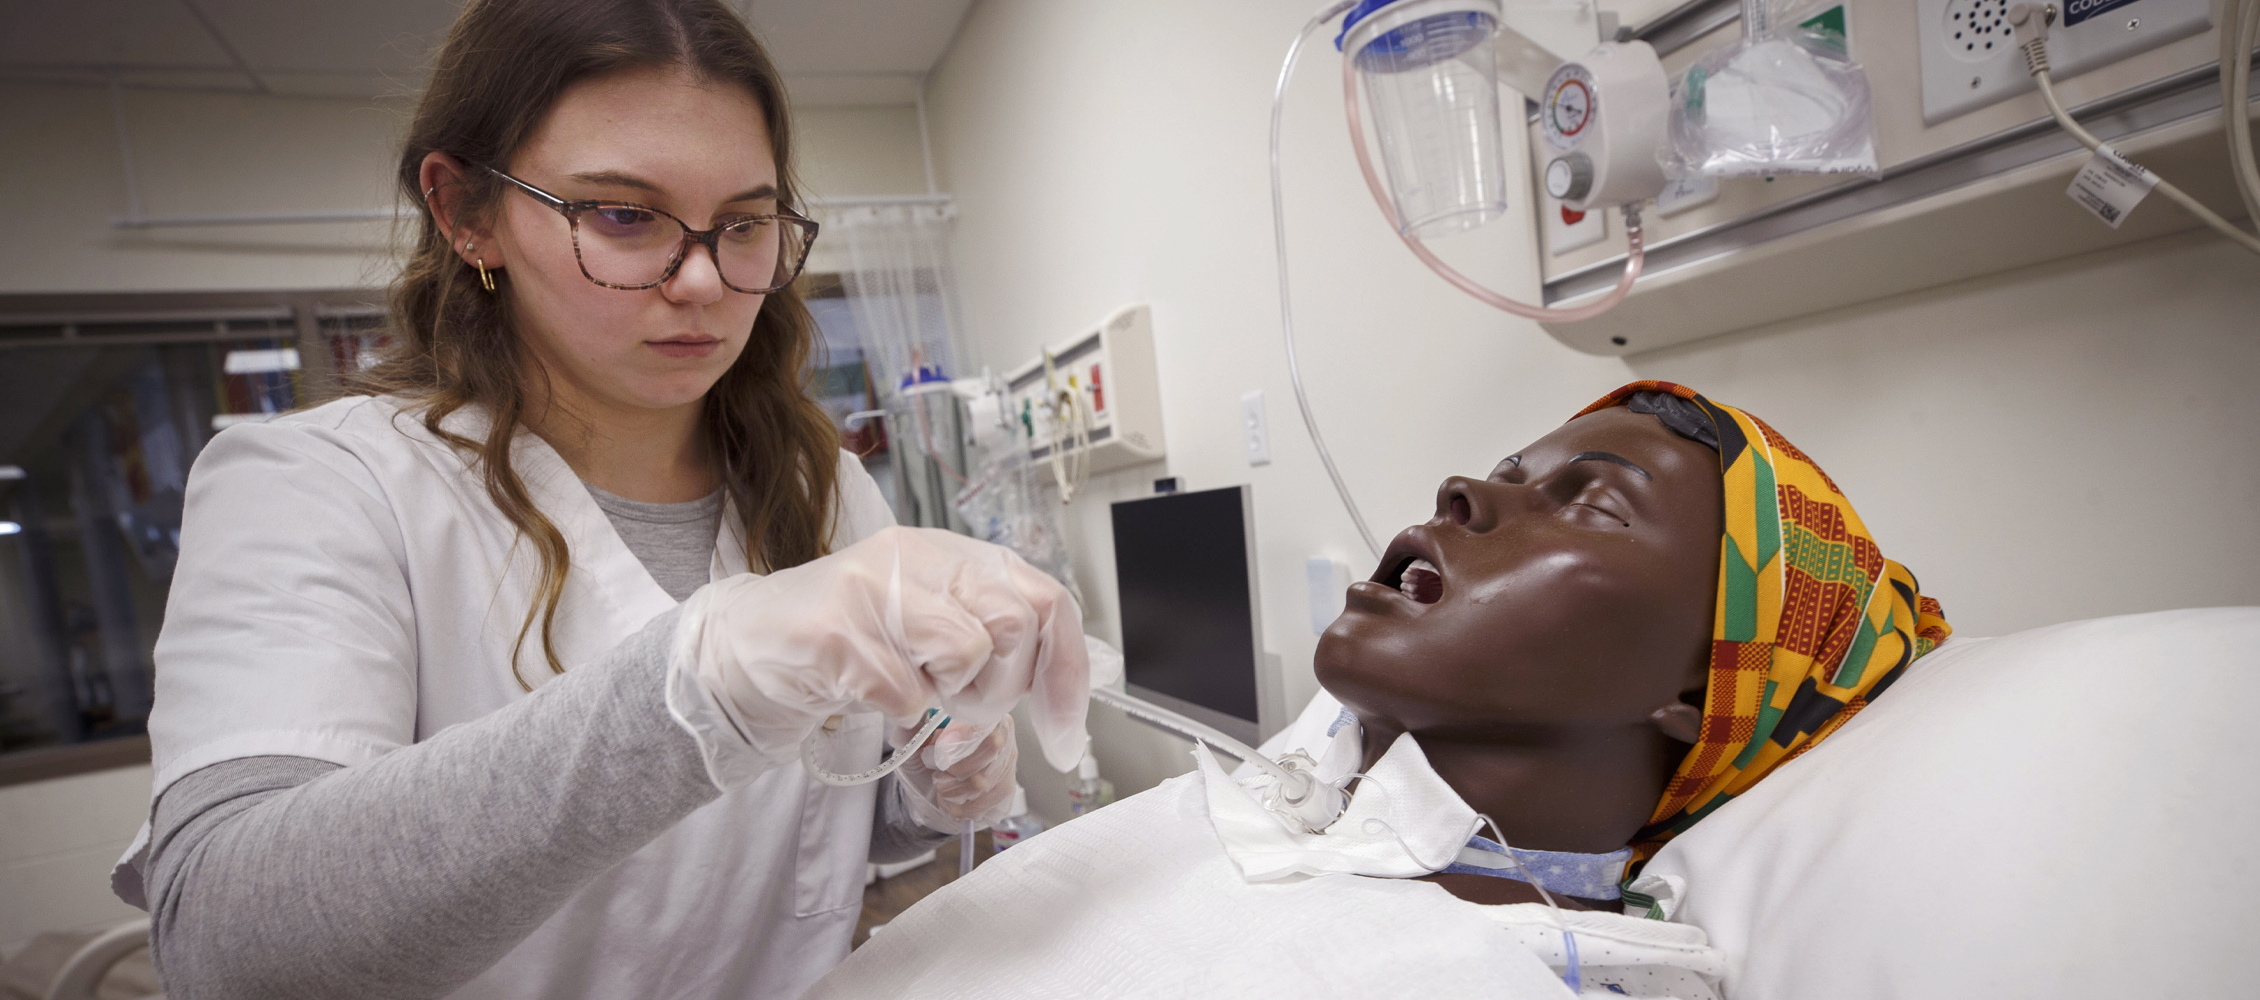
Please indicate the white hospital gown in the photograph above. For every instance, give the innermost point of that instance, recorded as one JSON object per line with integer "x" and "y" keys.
{"x": 1619, "y": 955}
{"x": 1143, "y": 899}
{"x": 1139, "y": 900}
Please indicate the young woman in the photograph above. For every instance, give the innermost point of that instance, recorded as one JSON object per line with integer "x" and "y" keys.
{"x": 1585, "y": 652}
{"x": 430, "y": 719}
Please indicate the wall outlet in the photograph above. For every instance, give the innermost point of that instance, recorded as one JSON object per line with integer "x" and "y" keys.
{"x": 1329, "y": 590}
{"x": 1253, "y": 428}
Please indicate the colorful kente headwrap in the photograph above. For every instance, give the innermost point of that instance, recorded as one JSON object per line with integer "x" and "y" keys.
{"x": 1812, "y": 621}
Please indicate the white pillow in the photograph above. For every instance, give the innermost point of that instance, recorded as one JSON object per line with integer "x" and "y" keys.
{"x": 2061, "y": 813}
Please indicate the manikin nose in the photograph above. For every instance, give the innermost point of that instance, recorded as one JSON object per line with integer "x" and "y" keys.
{"x": 1457, "y": 501}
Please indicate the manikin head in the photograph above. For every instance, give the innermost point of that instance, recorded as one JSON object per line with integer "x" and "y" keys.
{"x": 1627, "y": 623}
{"x": 1574, "y": 600}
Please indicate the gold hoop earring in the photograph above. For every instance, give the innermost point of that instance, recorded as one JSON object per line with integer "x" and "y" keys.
{"x": 486, "y": 280}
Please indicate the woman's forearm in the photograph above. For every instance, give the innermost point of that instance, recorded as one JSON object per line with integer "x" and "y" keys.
{"x": 409, "y": 875}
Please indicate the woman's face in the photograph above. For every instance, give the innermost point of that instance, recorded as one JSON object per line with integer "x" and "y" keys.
{"x": 1576, "y": 588}
{"x": 659, "y": 137}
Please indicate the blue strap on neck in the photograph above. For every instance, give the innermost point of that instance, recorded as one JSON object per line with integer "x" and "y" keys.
{"x": 1586, "y": 876}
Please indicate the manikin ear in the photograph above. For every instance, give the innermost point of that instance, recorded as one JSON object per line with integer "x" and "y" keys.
{"x": 443, "y": 178}
{"x": 1679, "y": 720}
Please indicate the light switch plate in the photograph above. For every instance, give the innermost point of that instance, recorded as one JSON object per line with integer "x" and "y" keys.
{"x": 1252, "y": 425}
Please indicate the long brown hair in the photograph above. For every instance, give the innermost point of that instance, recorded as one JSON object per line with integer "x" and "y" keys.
{"x": 502, "y": 66}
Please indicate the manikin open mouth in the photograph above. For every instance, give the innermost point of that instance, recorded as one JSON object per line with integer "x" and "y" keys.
{"x": 1420, "y": 581}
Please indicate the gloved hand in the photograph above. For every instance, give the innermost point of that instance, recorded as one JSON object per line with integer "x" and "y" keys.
{"x": 960, "y": 774}
{"x": 894, "y": 623}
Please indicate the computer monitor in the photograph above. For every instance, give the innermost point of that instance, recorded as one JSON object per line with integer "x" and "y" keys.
{"x": 1192, "y": 634}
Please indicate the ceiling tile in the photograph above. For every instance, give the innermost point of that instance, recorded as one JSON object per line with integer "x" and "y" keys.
{"x": 104, "y": 32}
{"x": 393, "y": 37}
{"x": 834, "y": 52}
{"x": 846, "y": 36}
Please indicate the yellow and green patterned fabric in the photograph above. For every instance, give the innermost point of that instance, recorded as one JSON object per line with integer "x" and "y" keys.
{"x": 1812, "y": 621}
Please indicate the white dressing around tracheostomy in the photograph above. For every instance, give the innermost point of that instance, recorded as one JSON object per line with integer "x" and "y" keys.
{"x": 1404, "y": 821}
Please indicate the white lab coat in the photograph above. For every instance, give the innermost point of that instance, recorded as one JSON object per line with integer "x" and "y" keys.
{"x": 369, "y": 596}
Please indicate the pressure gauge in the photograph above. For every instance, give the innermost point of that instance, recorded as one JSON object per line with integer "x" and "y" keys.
{"x": 1568, "y": 107}
{"x": 1604, "y": 115}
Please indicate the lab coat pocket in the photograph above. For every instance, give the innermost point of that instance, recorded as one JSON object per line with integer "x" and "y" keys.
{"x": 835, "y": 824}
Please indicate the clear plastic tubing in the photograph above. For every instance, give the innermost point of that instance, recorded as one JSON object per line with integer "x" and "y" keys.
{"x": 1633, "y": 259}
{"x": 1190, "y": 729}
{"x": 1286, "y": 300}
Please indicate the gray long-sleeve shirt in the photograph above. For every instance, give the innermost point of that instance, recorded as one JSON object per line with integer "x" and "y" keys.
{"x": 407, "y": 876}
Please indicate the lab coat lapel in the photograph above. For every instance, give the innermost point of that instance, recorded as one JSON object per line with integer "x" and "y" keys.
{"x": 608, "y": 592}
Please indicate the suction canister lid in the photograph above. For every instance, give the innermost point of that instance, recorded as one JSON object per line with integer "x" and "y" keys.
{"x": 1420, "y": 33}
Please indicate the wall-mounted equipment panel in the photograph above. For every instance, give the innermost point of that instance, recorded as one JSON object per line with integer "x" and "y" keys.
{"x": 1968, "y": 184}
{"x": 1097, "y": 391}
{"x": 1969, "y": 60}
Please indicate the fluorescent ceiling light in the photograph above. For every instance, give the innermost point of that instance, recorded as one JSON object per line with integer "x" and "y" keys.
{"x": 10, "y": 473}
{"x": 10, "y": 527}
{"x": 279, "y": 359}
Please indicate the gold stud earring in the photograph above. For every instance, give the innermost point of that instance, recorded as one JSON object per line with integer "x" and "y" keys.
{"x": 486, "y": 280}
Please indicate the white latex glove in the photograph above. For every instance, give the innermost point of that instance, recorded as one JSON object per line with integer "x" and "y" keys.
{"x": 962, "y": 773}
{"x": 894, "y": 623}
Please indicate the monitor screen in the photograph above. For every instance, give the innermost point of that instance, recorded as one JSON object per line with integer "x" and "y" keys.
{"x": 1186, "y": 577}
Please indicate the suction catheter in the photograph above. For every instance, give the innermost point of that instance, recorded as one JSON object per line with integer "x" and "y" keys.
{"x": 1298, "y": 796}
{"x": 816, "y": 746}
{"x": 813, "y": 749}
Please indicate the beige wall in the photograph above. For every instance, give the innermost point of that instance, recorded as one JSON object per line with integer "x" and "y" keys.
{"x": 2066, "y": 442}
{"x": 62, "y": 182}
{"x": 845, "y": 152}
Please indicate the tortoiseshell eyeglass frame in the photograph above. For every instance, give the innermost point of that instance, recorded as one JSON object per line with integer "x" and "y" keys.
{"x": 572, "y": 210}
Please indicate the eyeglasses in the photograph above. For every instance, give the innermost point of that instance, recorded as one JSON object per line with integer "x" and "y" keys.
{"x": 630, "y": 246}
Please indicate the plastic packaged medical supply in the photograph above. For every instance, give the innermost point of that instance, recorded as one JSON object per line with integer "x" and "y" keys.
{"x": 1781, "y": 102}
{"x": 1089, "y": 791}
{"x": 1017, "y": 826}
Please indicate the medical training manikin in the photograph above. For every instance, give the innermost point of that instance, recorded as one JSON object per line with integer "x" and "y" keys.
{"x": 1524, "y": 670}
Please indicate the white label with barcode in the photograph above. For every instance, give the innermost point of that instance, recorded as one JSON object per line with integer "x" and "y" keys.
{"x": 2109, "y": 186}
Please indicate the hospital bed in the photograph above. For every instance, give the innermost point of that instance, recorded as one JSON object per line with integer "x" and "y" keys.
{"x": 2057, "y": 813}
